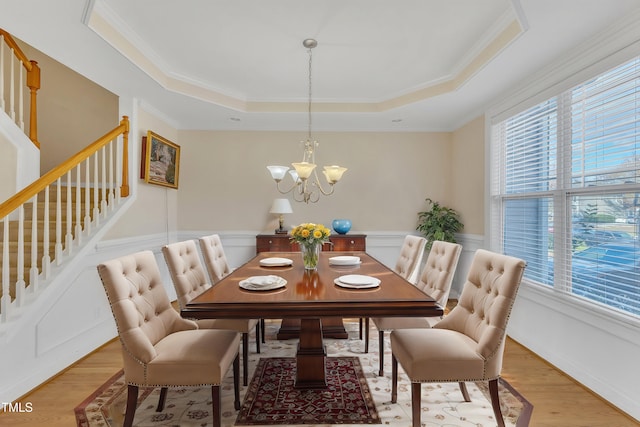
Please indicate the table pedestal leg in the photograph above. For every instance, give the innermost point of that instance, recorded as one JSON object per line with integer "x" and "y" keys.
{"x": 310, "y": 359}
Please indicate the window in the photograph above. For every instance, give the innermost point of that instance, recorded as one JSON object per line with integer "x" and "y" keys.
{"x": 565, "y": 187}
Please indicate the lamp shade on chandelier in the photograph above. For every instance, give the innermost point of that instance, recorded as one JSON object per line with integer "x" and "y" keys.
{"x": 306, "y": 186}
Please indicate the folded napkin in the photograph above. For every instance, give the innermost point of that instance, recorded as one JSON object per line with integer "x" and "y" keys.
{"x": 264, "y": 280}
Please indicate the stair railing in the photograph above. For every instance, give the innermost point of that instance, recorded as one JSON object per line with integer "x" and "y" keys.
{"x": 83, "y": 189}
{"x": 30, "y": 71}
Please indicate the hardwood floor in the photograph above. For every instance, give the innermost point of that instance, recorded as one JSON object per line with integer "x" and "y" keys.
{"x": 557, "y": 399}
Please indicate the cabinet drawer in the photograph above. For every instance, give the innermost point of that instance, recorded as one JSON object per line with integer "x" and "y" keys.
{"x": 354, "y": 242}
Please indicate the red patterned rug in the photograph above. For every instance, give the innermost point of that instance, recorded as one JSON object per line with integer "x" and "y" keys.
{"x": 272, "y": 398}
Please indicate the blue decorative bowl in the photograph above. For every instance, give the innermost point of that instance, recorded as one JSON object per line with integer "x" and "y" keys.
{"x": 341, "y": 226}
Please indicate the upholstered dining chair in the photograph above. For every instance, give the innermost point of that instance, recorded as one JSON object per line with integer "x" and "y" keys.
{"x": 407, "y": 265}
{"x": 217, "y": 265}
{"x": 160, "y": 348}
{"x": 468, "y": 343}
{"x": 189, "y": 280}
{"x": 435, "y": 281}
{"x": 214, "y": 257}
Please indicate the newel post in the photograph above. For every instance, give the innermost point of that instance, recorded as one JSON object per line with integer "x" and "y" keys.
{"x": 33, "y": 82}
{"x": 124, "y": 189}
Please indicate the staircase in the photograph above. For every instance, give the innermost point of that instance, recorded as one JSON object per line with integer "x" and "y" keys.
{"x": 75, "y": 225}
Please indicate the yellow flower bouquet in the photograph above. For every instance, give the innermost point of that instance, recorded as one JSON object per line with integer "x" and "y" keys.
{"x": 310, "y": 238}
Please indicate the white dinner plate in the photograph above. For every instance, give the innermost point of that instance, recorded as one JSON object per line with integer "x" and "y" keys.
{"x": 374, "y": 284}
{"x": 262, "y": 283}
{"x": 344, "y": 260}
{"x": 275, "y": 262}
{"x": 358, "y": 279}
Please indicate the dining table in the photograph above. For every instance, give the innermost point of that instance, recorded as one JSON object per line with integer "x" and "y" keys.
{"x": 276, "y": 285}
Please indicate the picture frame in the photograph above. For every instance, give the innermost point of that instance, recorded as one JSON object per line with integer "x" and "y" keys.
{"x": 161, "y": 160}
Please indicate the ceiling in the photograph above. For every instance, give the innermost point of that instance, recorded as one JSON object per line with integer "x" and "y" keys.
{"x": 380, "y": 65}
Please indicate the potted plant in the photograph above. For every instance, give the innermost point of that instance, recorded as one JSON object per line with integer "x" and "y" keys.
{"x": 438, "y": 223}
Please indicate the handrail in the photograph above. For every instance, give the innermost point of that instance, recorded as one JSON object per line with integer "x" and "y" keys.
{"x": 50, "y": 177}
{"x": 33, "y": 83}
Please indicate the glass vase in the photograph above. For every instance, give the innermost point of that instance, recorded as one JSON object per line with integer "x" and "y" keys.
{"x": 310, "y": 255}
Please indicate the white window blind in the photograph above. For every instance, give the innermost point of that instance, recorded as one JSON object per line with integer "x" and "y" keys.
{"x": 565, "y": 189}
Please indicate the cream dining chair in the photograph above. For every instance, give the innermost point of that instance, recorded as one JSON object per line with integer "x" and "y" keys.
{"x": 407, "y": 265}
{"x": 435, "y": 281}
{"x": 468, "y": 343}
{"x": 189, "y": 280}
{"x": 160, "y": 348}
{"x": 217, "y": 265}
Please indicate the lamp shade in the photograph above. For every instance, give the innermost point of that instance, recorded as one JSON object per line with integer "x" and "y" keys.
{"x": 278, "y": 172}
{"x": 281, "y": 206}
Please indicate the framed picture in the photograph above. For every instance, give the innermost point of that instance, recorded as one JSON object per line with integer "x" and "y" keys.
{"x": 161, "y": 160}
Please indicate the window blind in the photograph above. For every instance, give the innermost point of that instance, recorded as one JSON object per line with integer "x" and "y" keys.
{"x": 565, "y": 189}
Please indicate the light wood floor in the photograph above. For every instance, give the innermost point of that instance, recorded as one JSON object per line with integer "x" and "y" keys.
{"x": 558, "y": 400}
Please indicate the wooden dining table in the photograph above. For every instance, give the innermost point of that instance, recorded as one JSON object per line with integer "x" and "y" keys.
{"x": 310, "y": 295}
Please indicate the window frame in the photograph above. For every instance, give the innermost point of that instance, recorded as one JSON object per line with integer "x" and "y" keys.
{"x": 562, "y": 195}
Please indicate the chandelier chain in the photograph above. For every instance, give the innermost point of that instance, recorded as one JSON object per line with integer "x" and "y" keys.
{"x": 310, "y": 93}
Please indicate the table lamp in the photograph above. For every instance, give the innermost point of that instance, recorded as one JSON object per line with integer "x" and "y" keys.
{"x": 281, "y": 207}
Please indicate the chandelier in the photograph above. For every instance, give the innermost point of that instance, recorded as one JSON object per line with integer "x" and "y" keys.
{"x": 306, "y": 185}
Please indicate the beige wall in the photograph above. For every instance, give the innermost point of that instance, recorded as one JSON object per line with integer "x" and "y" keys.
{"x": 467, "y": 175}
{"x": 224, "y": 183}
{"x": 8, "y": 164}
{"x": 154, "y": 211}
{"x": 72, "y": 110}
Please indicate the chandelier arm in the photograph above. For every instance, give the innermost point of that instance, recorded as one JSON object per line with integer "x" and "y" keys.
{"x": 295, "y": 184}
{"x": 318, "y": 185}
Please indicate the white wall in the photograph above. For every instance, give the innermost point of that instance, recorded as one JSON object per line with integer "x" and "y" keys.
{"x": 598, "y": 348}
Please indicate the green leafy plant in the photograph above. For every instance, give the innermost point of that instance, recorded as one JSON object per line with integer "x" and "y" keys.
{"x": 438, "y": 223}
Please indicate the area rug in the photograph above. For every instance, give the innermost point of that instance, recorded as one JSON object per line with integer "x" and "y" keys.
{"x": 442, "y": 404}
{"x": 273, "y": 399}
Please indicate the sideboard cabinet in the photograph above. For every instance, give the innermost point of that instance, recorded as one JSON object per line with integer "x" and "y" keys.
{"x": 337, "y": 242}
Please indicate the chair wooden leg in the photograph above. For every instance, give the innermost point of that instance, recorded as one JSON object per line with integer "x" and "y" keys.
{"x": 216, "y": 404}
{"x": 132, "y": 401}
{"x": 245, "y": 359}
{"x": 236, "y": 382}
{"x": 394, "y": 379}
{"x": 258, "y": 337}
{"x": 366, "y": 335}
{"x": 162, "y": 399}
{"x": 360, "y": 326}
{"x": 381, "y": 352}
{"x": 495, "y": 402}
{"x": 263, "y": 330}
{"x": 465, "y": 393}
{"x": 416, "y": 399}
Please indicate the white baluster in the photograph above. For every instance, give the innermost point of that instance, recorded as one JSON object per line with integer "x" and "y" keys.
{"x": 2, "y": 104}
{"x": 58, "y": 250}
{"x": 12, "y": 87}
{"x": 87, "y": 200}
{"x": 103, "y": 199}
{"x": 20, "y": 285}
{"x": 5, "y": 301}
{"x": 96, "y": 191}
{"x": 111, "y": 182}
{"x": 33, "y": 273}
{"x": 21, "y": 72}
{"x": 78, "y": 205}
{"x": 46, "y": 256}
{"x": 68, "y": 238}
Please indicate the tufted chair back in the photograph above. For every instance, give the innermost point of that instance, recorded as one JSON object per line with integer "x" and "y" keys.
{"x": 408, "y": 263}
{"x": 485, "y": 304}
{"x": 141, "y": 308}
{"x": 187, "y": 273}
{"x": 437, "y": 275}
{"x": 214, "y": 257}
